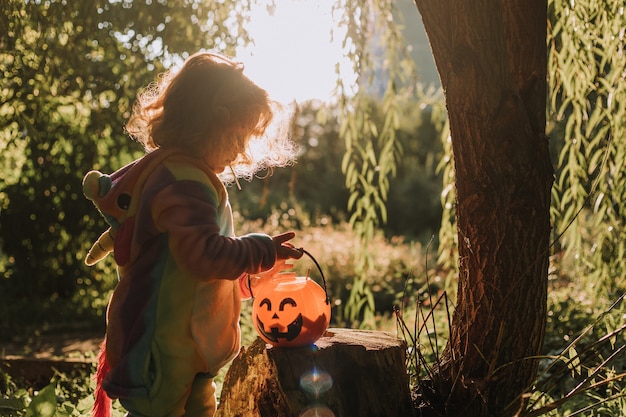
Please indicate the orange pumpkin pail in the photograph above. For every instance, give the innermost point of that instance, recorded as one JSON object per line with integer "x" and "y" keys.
{"x": 291, "y": 311}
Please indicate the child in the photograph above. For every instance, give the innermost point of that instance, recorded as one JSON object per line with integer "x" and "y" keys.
{"x": 173, "y": 319}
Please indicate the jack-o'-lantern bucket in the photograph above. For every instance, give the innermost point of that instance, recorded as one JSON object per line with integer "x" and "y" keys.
{"x": 291, "y": 311}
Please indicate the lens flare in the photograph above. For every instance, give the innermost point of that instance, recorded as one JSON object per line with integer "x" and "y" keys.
{"x": 317, "y": 411}
{"x": 316, "y": 382}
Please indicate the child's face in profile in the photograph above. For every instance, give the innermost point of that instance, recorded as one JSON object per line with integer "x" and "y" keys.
{"x": 218, "y": 163}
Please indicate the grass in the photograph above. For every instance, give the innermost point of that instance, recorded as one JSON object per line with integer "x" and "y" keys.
{"x": 583, "y": 363}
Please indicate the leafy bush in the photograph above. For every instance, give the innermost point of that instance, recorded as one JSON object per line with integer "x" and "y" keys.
{"x": 315, "y": 185}
{"x": 335, "y": 248}
{"x": 401, "y": 279}
{"x": 47, "y": 230}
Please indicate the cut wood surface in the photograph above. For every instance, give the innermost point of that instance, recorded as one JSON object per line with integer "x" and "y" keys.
{"x": 348, "y": 372}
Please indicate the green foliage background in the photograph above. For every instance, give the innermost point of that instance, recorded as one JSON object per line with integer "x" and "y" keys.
{"x": 588, "y": 113}
{"x": 70, "y": 73}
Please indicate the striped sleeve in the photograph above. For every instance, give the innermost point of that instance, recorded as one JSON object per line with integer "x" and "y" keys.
{"x": 187, "y": 211}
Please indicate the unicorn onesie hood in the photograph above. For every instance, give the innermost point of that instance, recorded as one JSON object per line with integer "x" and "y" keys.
{"x": 175, "y": 310}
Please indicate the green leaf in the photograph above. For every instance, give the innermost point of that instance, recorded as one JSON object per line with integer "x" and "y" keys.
{"x": 574, "y": 362}
{"x": 14, "y": 403}
{"x": 44, "y": 404}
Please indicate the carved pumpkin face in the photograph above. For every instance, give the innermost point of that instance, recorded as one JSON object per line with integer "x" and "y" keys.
{"x": 290, "y": 311}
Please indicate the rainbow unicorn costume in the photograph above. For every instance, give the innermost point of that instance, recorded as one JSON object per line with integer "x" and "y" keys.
{"x": 173, "y": 318}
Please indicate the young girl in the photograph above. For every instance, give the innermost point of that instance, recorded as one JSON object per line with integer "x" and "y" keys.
{"x": 173, "y": 319}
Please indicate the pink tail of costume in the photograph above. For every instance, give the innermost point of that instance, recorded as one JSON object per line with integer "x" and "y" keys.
{"x": 102, "y": 404}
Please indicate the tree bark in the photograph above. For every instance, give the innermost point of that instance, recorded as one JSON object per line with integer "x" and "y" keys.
{"x": 491, "y": 58}
{"x": 348, "y": 373}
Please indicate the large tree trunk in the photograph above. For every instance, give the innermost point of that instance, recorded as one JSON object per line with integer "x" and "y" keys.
{"x": 491, "y": 58}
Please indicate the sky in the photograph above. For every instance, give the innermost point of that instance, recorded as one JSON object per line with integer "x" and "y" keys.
{"x": 293, "y": 57}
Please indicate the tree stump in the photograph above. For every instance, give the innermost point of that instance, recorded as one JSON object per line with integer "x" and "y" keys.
{"x": 347, "y": 373}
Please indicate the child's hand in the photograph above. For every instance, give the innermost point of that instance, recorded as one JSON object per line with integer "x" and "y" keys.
{"x": 280, "y": 267}
{"x": 284, "y": 249}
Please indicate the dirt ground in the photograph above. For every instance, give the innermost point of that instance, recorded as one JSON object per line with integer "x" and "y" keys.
{"x": 58, "y": 347}
{"x": 32, "y": 364}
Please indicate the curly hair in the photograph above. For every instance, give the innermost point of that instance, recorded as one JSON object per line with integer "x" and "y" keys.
{"x": 210, "y": 108}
